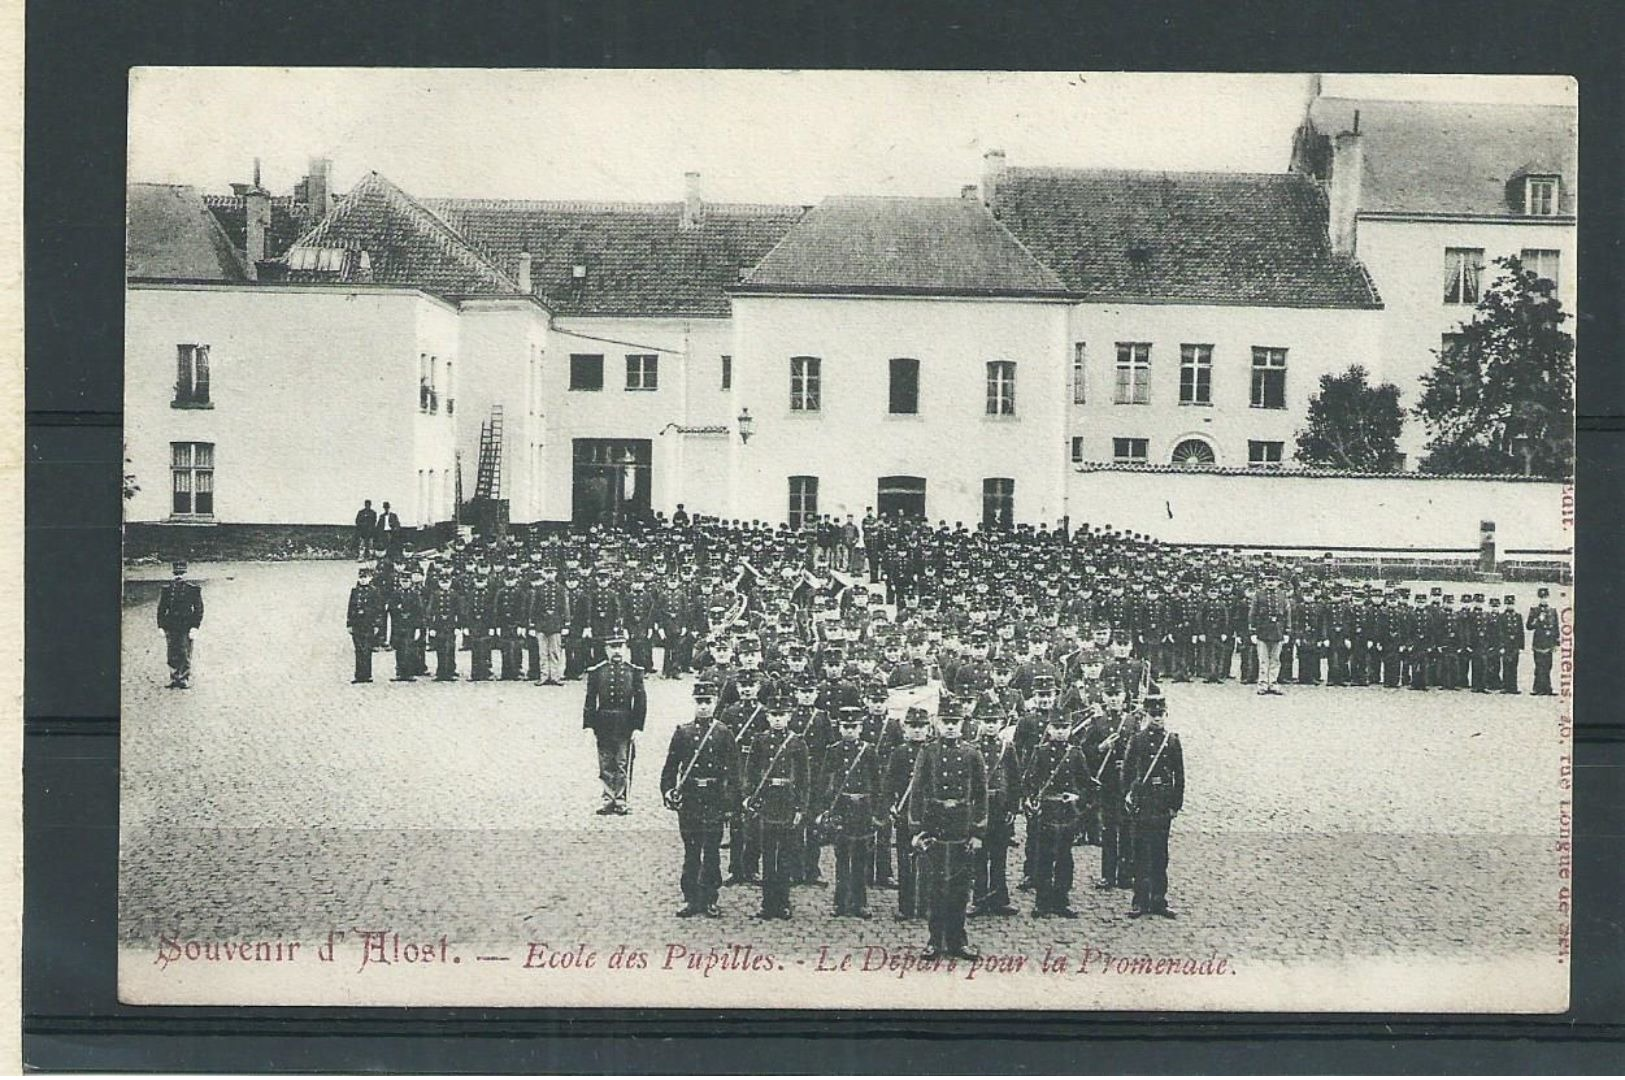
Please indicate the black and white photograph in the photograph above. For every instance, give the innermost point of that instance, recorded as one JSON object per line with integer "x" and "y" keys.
{"x": 811, "y": 539}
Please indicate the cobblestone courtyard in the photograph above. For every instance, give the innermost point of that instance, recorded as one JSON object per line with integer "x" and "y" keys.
{"x": 277, "y": 799}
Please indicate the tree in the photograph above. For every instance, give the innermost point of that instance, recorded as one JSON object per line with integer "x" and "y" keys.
{"x": 130, "y": 486}
{"x": 1352, "y": 424}
{"x": 1500, "y": 399}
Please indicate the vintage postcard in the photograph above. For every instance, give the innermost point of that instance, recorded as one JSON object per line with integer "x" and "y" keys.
{"x": 808, "y": 539}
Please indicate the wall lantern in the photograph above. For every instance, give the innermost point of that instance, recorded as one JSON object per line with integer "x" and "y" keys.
{"x": 747, "y": 425}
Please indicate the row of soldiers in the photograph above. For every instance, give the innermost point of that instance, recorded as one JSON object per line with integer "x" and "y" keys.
{"x": 539, "y": 607}
{"x": 942, "y": 792}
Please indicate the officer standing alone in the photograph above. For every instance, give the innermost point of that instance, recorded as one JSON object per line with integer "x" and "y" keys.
{"x": 180, "y": 613}
{"x": 614, "y": 711}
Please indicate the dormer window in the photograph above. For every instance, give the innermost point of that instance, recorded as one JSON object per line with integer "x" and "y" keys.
{"x": 1540, "y": 196}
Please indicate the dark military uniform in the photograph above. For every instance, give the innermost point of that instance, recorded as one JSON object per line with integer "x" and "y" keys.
{"x": 899, "y": 775}
{"x": 746, "y": 718}
{"x": 1544, "y": 634}
{"x": 1512, "y": 640}
{"x": 365, "y": 613}
{"x": 180, "y": 611}
{"x": 510, "y": 614}
{"x": 406, "y": 619}
{"x": 614, "y": 709}
{"x": 444, "y": 614}
{"x": 1054, "y": 785}
{"x": 948, "y": 810}
{"x": 777, "y": 787}
{"x": 479, "y": 618}
{"x": 851, "y": 801}
{"x": 701, "y": 777}
{"x": 992, "y": 889}
{"x": 1106, "y": 743}
{"x": 1154, "y": 772}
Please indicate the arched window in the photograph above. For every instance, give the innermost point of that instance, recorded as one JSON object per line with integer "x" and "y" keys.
{"x": 1194, "y": 452}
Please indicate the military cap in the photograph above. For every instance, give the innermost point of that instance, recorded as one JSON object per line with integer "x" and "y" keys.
{"x": 1449, "y": 599}
{"x": 778, "y": 708}
{"x": 1510, "y": 599}
{"x": 1436, "y": 591}
{"x": 849, "y": 714}
{"x": 917, "y": 714}
{"x": 988, "y": 709}
{"x": 705, "y": 688}
{"x": 1543, "y": 592}
{"x": 1043, "y": 680}
{"x": 1495, "y": 601}
{"x": 178, "y": 567}
{"x": 617, "y": 636}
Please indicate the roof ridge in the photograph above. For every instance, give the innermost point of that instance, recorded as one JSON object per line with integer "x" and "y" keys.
{"x": 608, "y": 206}
{"x": 1054, "y": 275}
{"x": 451, "y": 242}
{"x": 1448, "y": 104}
{"x": 1089, "y": 170}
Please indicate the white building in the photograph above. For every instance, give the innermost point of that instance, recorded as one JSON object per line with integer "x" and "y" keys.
{"x": 1427, "y": 195}
{"x": 958, "y": 358}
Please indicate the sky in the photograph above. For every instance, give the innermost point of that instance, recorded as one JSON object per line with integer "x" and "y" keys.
{"x": 754, "y": 136}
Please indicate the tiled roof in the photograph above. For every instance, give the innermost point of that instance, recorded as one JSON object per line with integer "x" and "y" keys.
{"x": 1301, "y": 470}
{"x": 1190, "y": 238}
{"x": 170, "y": 234}
{"x": 1427, "y": 157}
{"x": 910, "y": 246}
{"x": 406, "y": 244}
{"x": 639, "y": 260}
{"x": 289, "y": 218}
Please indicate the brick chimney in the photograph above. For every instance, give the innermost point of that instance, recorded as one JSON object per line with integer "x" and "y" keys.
{"x": 319, "y": 187}
{"x": 992, "y": 174}
{"x": 693, "y": 206}
{"x": 257, "y": 221}
{"x": 523, "y": 277}
{"x": 968, "y": 191}
{"x": 1348, "y": 168}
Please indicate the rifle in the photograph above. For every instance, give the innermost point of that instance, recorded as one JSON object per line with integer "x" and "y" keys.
{"x": 840, "y": 789}
{"x": 674, "y": 797}
{"x": 745, "y": 727}
{"x": 1032, "y": 804}
{"x": 902, "y": 800}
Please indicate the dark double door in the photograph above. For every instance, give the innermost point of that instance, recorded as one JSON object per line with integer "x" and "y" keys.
{"x": 611, "y": 481}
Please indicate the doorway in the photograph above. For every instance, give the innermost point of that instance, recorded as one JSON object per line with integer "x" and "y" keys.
{"x": 610, "y": 481}
{"x": 901, "y": 496}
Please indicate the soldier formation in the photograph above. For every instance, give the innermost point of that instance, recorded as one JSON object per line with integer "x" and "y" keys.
{"x": 1032, "y": 659}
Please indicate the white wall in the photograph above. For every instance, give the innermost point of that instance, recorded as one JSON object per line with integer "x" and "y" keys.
{"x": 853, "y": 440}
{"x": 1406, "y": 260}
{"x": 1410, "y": 513}
{"x": 1318, "y": 342}
{"x": 684, "y": 468}
{"x": 315, "y": 394}
{"x": 496, "y": 341}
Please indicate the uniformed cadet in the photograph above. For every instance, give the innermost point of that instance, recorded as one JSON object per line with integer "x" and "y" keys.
{"x": 991, "y": 894}
{"x": 777, "y": 791}
{"x": 1395, "y": 620}
{"x": 1486, "y": 644}
{"x": 479, "y": 619}
{"x": 746, "y": 718}
{"x": 365, "y": 613}
{"x": 1105, "y": 745}
{"x": 1544, "y": 634}
{"x": 1269, "y": 622}
{"x": 1154, "y": 775}
{"x": 947, "y": 812}
{"x": 444, "y": 614}
{"x": 700, "y": 782}
{"x": 1054, "y": 786}
{"x": 406, "y": 622}
{"x": 899, "y": 789}
{"x": 1449, "y": 645}
{"x": 813, "y": 726}
{"x": 850, "y": 811}
{"x": 1418, "y": 638}
{"x": 1510, "y": 627}
{"x": 614, "y": 711}
{"x": 549, "y": 617}
{"x": 180, "y": 613}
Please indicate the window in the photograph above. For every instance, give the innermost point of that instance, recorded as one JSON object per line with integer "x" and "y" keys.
{"x": 451, "y": 391}
{"x": 1542, "y": 262}
{"x": 1196, "y": 374}
{"x": 1193, "y": 452}
{"x": 191, "y": 470}
{"x": 1133, "y": 373}
{"x": 531, "y": 375}
{"x": 727, "y": 372}
{"x": 1269, "y": 378}
{"x": 1001, "y": 388}
{"x": 1130, "y": 451}
{"x": 1077, "y": 449}
{"x": 1540, "y": 196}
{"x": 191, "y": 376}
{"x": 642, "y": 371}
{"x": 586, "y": 371}
{"x": 1462, "y": 269}
{"x": 423, "y": 382}
{"x": 803, "y": 500}
{"x": 998, "y": 502}
{"x": 805, "y": 383}
{"x": 1263, "y": 455}
{"x": 905, "y": 385}
{"x": 1078, "y": 372}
